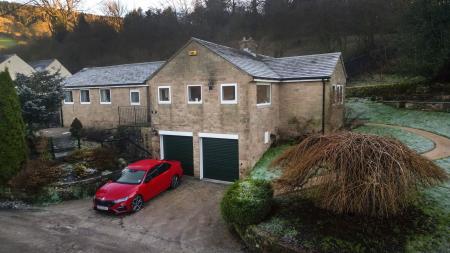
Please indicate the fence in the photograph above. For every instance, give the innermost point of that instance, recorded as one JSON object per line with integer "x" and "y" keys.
{"x": 134, "y": 115}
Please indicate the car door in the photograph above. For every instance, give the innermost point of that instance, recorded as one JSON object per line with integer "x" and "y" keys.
{"x": 151, "y": 185}
{"x": 165, "y": 177}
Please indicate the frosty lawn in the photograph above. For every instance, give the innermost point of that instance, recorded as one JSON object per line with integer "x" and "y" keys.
{"x": 436, "y": 122}
{"x": 413, "y": 141}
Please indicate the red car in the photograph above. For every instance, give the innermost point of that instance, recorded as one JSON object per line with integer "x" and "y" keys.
{"x": 138, "y": 183}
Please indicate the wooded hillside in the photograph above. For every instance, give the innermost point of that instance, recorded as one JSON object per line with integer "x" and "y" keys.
{"x": 410, "y": 37}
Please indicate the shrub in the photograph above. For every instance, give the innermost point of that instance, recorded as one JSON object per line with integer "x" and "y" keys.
{"x": 356, "y": 173}
{"x": 247, "y": 202}
{"x": 35, "y": 175}
{"x": 76, "y": 130}
{"x": 98, "y": 158}
{"x": 13, "y": 147}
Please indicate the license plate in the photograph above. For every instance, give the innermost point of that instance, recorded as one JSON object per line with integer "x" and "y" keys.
{"x": 105, "y": 208}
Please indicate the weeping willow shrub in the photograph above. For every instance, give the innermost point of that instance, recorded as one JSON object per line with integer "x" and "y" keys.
{"x": 356, "y": 173}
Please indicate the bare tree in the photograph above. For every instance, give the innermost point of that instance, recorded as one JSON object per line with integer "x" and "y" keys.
{"x": 59, "y": 13}
{"x": 114, "y": 10}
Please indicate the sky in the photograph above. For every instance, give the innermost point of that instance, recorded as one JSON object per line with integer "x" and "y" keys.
{"x": 94, "y": 6}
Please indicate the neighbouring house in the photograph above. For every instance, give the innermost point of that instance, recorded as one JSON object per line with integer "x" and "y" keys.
{"x": 218, "y": 109}
{"x": 52, "y": 66}
{"x": 15, "y": 65}
{"x": 105, "y": 97}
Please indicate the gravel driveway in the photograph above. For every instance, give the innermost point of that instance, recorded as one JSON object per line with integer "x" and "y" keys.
{"x": 184, "y": 220}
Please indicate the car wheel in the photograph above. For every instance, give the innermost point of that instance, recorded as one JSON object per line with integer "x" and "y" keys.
{"x": 137, "y": 203}
{"x": 175, "y": 182}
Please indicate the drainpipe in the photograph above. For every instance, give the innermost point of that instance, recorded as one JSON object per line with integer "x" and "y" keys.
{"x": 323, "y": 104}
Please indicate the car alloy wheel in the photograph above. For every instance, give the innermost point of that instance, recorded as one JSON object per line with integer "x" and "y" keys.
{"x": 137, "y": 203}
{"x": 175, "y": 182}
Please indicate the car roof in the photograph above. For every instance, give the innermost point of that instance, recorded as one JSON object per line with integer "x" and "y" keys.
{"x": 145, "y": 164}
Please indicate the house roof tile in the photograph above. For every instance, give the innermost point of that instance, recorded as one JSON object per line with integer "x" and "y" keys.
{"x": 286, "y": 68}
{"x": 126, "y": 74}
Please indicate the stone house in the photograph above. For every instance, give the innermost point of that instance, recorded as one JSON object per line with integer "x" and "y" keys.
{"x": 105, "y": 97}
{"x": 15, "y": 65}
{"x": 53, "y": 66}
{"x": 218, "y": 109}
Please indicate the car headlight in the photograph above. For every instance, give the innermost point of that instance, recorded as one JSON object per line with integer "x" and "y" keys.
{"x": 120, "y": 200}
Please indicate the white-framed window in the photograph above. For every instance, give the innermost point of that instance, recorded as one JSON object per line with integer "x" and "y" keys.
{"x": 105, "y": 96}
{"x": 263, "y": 94}
{"x": 85, "y": 97}
{"x": 338, "y": 93}
{"x": 194, "y": 94}
{"x": 228, "y": 93}
{"x": 164, "y": 95}
{"x": 68, "y": 97}
{"x": 135, "y": 97}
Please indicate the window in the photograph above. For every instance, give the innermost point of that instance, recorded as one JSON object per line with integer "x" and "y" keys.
{"x": 153, "y": 173}
{"x": 163, "y": 168}
{"x": 194, "y": 93}
{"x": 164, "y": 95}
{"x": 263, "y": 94}
{"x": 228, "y": 93}
{"x": 68, "y": 97}
{"x": 338, "y": 94}
{"x": 84, "y": 97}
{"x": 105, "y": 96}
{"x": 135, "y": 97}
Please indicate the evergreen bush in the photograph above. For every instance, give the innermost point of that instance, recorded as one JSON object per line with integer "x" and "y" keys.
{"x": 13, "y": 149}
{"x": 247, "y": 202}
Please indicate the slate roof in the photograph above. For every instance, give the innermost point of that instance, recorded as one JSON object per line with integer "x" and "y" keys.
{"x": 126, "y": 74}
{"x": 41, "y": 65}
{"x": 315, "y": 66}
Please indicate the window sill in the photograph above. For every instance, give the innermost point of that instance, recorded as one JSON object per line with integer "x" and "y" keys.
{"x": 164, "y": 103}
{"x": 85, "y": 103}
{"x": 263, "y": 105}
{"x": 105, "y": 103}
{"x": 135, "y": 103}
{"x": 228, "y": 102}
{"x": 68, "y": 103}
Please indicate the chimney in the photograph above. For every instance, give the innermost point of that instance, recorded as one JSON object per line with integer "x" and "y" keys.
{"x": 249, "y": 45}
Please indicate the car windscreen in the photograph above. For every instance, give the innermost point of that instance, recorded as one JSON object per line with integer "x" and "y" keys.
{"x": 131, "y": 176}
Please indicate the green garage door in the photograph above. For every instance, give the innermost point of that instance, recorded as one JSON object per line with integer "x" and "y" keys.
{"x": 179, "y": 148}
{"x": 220, "y": 159}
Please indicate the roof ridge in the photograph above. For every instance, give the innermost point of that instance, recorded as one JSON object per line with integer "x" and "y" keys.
{"x": 296, "y": 56}
{"x": 126, "y": 64}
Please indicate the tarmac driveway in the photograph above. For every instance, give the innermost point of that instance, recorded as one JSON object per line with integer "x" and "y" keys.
{"x": 183, "y": 220}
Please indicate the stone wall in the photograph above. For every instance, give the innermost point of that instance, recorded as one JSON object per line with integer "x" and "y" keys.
{"x": 100, "y": 115}
{"x": 209, "y": 117}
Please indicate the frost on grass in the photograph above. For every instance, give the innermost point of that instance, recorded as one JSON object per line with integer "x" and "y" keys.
{"x": 280, "y": 227}
{"x": 413, "y": 141}
{"x": 436, "y": 122}
{"x": 261, "y": 170}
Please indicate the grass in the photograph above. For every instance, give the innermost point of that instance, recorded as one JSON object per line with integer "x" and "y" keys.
{"x": 7, "y": 42}
{"x": 436, "y": 122}
{"x": 413, "y": 141}
{"x": 261, "y": 169}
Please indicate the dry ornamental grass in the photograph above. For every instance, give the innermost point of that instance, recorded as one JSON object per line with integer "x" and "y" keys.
{"x": 356, "y": 173}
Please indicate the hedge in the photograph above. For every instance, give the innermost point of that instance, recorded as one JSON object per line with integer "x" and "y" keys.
{"x": 247, "y": 202}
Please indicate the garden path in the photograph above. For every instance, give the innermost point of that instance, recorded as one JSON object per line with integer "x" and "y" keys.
{"x": 442, "y": 144}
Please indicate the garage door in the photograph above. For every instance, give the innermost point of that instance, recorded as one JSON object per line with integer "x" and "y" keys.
{"x": 179, "y": 148}
{"x": 220, "y": 159}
